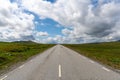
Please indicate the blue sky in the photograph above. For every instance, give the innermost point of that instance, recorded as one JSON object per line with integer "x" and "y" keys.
{"x": 50, "y": 26}
{"x": 52, "y": 1}
{"x": 47, "y": 25}
{"x": 60, "y": 21}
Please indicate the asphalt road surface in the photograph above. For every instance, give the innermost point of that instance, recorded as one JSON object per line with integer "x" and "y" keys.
{"x": 61, "y": 63}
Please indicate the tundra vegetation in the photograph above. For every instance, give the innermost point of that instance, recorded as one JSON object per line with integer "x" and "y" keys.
{"x": 107, "y": 53}
{"x": 14, "y": 52}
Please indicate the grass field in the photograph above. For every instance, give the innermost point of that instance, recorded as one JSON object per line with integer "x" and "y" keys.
{"x": 106, "y": 53}
{"x": 11, "y": 53}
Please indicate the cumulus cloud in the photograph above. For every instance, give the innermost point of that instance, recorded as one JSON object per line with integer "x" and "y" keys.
{"x": 55, "y": 39}
{"x": 41, "y": 34}
{"x": 88, "y": 20}
{"x": 83, "y": 20}
{"x": 15, "y": 24}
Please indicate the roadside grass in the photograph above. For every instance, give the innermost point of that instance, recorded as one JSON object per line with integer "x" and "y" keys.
{"x": 107, "y": 53}
{"x": 14, "y": 52}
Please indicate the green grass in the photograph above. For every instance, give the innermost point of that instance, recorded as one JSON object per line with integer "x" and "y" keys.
{"x": 106, "y": 53}
{"x": 12, "y": 53}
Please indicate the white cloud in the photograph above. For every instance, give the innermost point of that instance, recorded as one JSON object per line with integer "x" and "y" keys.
{"x": 15, "y": 24}
{"x": 66, "y": 31}
{"x": 55, "y": 39}
{"x": 88, "y": 23}
{"x": 83, "y": 20}
{"x": 41, "y": 34}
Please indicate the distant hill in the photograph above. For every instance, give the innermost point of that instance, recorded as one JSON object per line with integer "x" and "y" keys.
{"x": 118, "y": 40}
{"x": 23, "y": 42}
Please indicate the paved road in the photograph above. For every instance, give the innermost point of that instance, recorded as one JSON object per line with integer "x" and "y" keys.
{"x": 61, "y": 63}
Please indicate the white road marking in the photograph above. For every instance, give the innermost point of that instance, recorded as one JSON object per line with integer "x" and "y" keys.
{"x": 3, "y": 78}
{"x": 21, "y": 66}
{"x": 105, "y": 69}
{"x": 91, "y": 61}
{"x": 60, "y": 71}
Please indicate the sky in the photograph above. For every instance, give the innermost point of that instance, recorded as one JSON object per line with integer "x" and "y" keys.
{"x": 60, "y": 21}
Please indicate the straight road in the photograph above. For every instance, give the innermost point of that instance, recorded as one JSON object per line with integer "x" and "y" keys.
{"x": 61, "y": 63}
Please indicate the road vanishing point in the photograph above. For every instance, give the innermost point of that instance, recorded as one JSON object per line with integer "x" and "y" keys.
{"x": 61, "y": 63}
